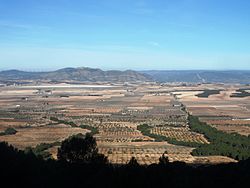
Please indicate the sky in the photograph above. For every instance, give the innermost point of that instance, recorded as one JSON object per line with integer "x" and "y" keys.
{"x": 39, "y": 35}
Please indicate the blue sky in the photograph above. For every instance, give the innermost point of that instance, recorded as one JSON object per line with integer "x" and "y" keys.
{"x": 125, "y": 34}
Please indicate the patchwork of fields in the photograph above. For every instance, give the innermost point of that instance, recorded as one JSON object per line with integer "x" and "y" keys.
{"x": 52, "y": 113}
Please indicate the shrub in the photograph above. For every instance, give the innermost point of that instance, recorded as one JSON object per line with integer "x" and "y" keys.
{"x": 9, "y": 131}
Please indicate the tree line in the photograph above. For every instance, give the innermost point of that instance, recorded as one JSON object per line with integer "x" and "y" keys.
{"x": 231, "y": 145}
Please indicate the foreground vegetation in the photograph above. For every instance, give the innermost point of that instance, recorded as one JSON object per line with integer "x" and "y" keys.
{"x": 80, "y": 165}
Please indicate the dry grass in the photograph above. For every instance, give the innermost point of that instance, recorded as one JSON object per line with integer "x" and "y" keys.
{"x": 30, "y": 137}
{"x": 240, "y": 129}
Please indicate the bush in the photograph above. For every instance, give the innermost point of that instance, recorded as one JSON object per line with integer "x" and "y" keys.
{"x": 9, "y": 131}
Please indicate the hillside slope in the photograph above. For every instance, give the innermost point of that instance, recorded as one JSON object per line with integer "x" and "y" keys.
{"x": 77, "y": 74}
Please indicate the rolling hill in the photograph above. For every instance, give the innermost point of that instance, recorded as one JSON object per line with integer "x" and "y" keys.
{"x": 76, "y": 74}
{"x": 97, "y": 75}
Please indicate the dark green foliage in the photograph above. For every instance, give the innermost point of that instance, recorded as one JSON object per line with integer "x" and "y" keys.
{"x": 93, "y": 130}
{"x": 231, "y": 145}
{"x": 64, "y": 96}
{"x": 145, "y": 130}
{"x": 80, "y": 150}
{"x": 54, "y": 119}
{"x": 241, "y": 93}
{"x": 72, "y": 124}
{"x": 207, "y": 93}
{"x": 137, "y": 140}
{"x": 8, "y": 131}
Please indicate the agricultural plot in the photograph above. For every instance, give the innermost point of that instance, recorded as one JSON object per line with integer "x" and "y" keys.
{"x": 30, "y": 137}
{"x": 180, "y": 134}
{"x": 227, "y": 111}
{"x": 120, "y": 134}
{"x": 228, "y": 122}
{"x": 240, "y": 129}
{"x": 145, "y": 153}
{"x": 149, "y": 152}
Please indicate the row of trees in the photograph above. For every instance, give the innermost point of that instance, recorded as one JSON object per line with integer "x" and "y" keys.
{"x": 145, "y": 130}
{"x": 93, "y": 130}
{"x": 71, "y": 123}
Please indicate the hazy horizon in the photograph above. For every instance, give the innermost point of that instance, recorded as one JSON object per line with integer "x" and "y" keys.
{"x": 139, "y": 35}
{"x": 139, "y": 70}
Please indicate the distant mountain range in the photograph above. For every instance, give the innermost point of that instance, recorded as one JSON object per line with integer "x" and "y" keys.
{"x": 96, "y": 75}
{"x": 76, "y": 74}
{"x": 199, "y": 76}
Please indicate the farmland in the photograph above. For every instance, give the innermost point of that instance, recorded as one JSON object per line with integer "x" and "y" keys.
{"x": 224, "y": 110}
{"x": 114, "y": 113}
